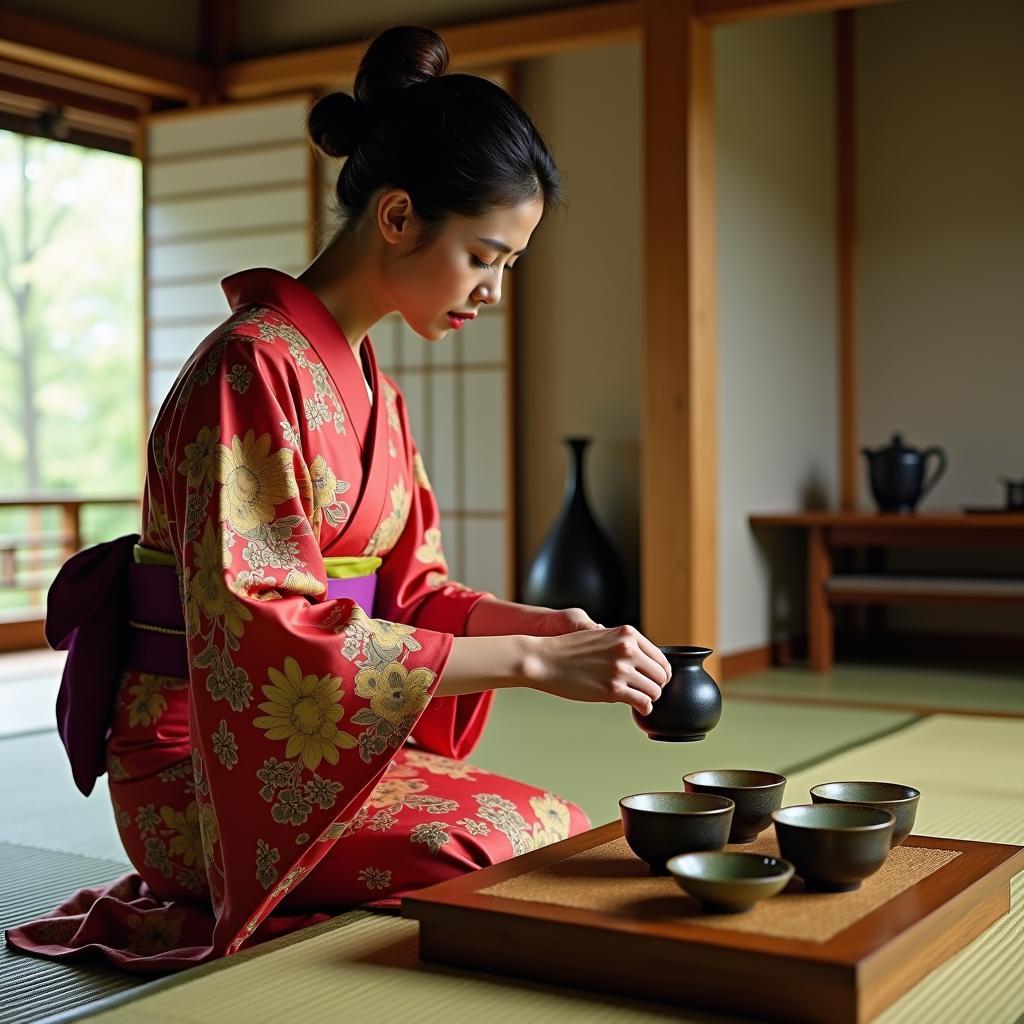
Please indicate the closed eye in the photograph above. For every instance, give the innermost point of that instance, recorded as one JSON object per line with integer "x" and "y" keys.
{"x": 490, "y": 266}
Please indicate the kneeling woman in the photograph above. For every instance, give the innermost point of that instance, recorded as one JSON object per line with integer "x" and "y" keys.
{"x": 297, "y": 749}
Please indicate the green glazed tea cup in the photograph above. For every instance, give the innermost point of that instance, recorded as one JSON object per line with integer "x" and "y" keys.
{"x": 756, "y": 795}
{"x": 727, "y": 881}
{"x": 660, "y": 825}
{"x": 834, "y": 847}
{"x": 901, "y": 800}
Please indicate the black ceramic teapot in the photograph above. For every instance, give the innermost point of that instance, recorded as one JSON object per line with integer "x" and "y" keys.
{"x": 690, "y": 704}
{"x": 897, "y": 473}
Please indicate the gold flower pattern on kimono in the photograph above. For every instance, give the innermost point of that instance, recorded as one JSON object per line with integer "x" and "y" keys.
{"x": 385, "y": 537}
{"x": 297, "y": 582}
{"x": 419, "y": 472}
{"x": 553, "y": 820}
{"x": 207, "y": 590}
{"x": 253, "y": 480}
{"x": 200, "y": 457}
{"x": 392, "y": 792}
{"x": 394, "y": 692}
{"x": 321, "y": 491}
{"x": 157, "y": 526}
{"x": 149, "y": 703}
{"x": 377, "y": 640}
{"x": 266, "y": 857}
{"x": 503, "y": 814}
{"x": 304, "y": 710}
{"x": 438, "y": 765}
{"x": 327, "y": 491}
{"x": 397, "y": 697}
{"x": 375, "y": 878}
{"x": 154, "y": 931}
{"x": 317, "y": 412}
{"x": 209, "y": 832}
{"x": 391, "y": 405}
{"x": 187, "y": 843}
{"x": 433, "y": 833}
{"x": 429, "y": 552}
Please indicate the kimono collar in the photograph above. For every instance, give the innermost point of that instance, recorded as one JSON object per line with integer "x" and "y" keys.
{"x": 312, "y": 319}
{"x": 281, "y": 292}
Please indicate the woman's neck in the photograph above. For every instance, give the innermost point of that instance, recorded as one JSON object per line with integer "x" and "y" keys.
{"x": 346, "y": 279}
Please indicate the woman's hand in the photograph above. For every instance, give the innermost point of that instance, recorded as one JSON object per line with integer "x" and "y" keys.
{"x": 600, "y": 665}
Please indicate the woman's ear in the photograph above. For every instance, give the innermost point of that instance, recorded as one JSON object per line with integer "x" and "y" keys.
{"x": 396, "y": 219}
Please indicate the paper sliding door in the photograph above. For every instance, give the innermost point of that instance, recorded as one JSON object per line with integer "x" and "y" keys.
{"x": 226, "y": 188}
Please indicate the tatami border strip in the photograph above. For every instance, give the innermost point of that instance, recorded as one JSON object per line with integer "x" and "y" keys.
{"x": 922, "y": 710}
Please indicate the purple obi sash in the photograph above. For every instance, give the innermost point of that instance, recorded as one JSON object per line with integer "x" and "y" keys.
{"x": 110, "y": 613}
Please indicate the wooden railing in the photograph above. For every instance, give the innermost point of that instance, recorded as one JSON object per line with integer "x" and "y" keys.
{"x": 30, "y": 558}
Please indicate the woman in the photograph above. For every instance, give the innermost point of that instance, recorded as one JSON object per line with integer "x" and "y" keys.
{"x": 299, "y": 749}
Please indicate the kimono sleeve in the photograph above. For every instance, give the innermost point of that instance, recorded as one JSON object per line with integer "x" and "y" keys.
{"x": 296, "y": 704}
{"x": 413, "y": 587}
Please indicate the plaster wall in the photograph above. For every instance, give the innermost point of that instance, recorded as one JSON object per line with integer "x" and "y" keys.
{"x": 777, "y": 336}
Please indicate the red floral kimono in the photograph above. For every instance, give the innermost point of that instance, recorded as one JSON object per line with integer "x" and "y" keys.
{"x": 304, "y": 765}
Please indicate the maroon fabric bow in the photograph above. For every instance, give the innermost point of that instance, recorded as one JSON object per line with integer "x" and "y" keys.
{"x": 87, "y": 615}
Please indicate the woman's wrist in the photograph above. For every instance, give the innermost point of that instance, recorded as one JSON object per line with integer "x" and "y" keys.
{"x": 492, "y": 663}
{"x": 532, "y": 665}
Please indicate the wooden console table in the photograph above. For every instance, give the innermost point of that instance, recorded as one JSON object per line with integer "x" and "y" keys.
{"x": 827, "y": 531}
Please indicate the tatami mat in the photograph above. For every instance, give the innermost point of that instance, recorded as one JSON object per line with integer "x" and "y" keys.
{"x": 43, "y": 808}
{"x": 985, "y": 690}
{"x": 971, "y": 775}
{"x": 31, "y": 882}
{"x": 589, "y": 753}
{"x": 594, "y": 753}
{"x": 369, "y": 971}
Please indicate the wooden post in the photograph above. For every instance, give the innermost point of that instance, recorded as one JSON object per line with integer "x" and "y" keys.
{"x": 820, "y": 624}
{"x": 679, "y": 485}
{"x": 71, "y": 523}
{"x": 846, "y": 197}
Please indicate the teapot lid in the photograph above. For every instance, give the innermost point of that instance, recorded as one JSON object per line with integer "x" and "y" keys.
{"x": 895, "y": 448}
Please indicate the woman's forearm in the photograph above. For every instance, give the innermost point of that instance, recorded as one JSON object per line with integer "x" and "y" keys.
{"x": 491, "y": 617}
{"x": 479, "y": 663}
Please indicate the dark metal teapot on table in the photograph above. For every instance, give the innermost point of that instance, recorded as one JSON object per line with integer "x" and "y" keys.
{"x": 897, "y": 473}
{"x": 1014, "y": 493}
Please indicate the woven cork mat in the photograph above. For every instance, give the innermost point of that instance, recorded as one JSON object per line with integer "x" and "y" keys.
{"x": 611, "y": 880}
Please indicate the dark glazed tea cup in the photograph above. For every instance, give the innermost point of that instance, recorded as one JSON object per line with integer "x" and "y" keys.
{"x": 690, "y": 704}
{"x": 660, "y": 825}
{"x": 901, "y": 800}
{"x": 834, "y": 847}
{"x": 756, "y": 795}
{"x": 727, "y": 881}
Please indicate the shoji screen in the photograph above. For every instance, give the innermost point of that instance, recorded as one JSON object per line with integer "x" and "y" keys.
{"x": 226, "y": 188}
{"x": 460, "y": 402}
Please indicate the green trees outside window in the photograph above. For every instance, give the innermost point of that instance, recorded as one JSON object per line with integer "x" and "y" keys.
{"x": 70, "y": 334}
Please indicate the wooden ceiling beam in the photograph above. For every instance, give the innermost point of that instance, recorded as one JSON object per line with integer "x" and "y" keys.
{"x": 48, "y": 44}
{"x": 219, "y": 29}
{"x": 61, "y": 96}
{"x": 730, "y": 12}
{"x": 473, "y": 46}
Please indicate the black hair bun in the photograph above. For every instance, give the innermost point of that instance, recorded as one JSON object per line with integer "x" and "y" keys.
{"x": 337, "y": 124}
{"x": 398, "y": 58}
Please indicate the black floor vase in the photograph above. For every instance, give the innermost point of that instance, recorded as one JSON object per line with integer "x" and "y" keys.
{"x": 576, "y": 566}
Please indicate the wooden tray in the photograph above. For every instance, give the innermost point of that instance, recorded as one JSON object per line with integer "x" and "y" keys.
{"x": 534, "y": 916}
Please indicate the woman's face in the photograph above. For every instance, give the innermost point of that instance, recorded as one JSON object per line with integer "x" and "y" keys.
{"x": 461, "y": 269}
